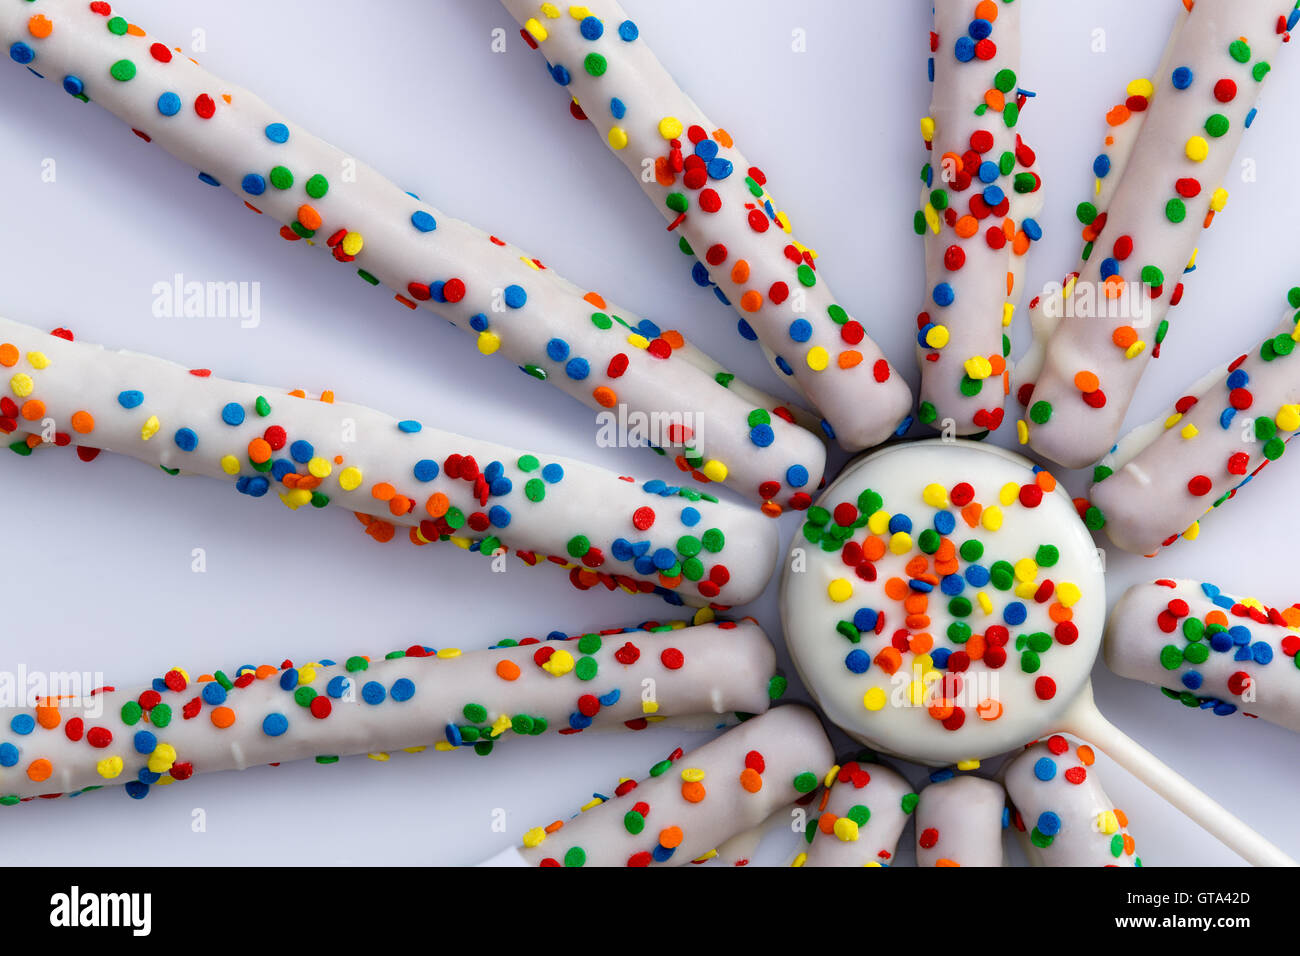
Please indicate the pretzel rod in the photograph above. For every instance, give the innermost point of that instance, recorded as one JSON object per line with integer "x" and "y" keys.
{"x": 718, "y": 205}
{"x": 1164, "y": 477}
{"x": 690, "y": 804}
{"x": 1170, "y": 190}
{"x": 180, "y": 724}
{"x": 863, "y": 813}
{"x": 959, "y": 822}
{"x": 1061, "y": 810}
{"x": 641, "y": 536}
{"x": 595, "y": 351}
{"x": 1209, "y": 650}
{"x": 980, "y": 192}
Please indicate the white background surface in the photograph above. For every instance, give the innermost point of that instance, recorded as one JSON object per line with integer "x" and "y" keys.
{"x": 96, "y": 559}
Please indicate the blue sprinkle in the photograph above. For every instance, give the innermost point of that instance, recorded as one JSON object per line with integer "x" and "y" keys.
{"x": 700, "y": 275}
{"x": 1238, "y": 379}
{"x": 435, "y": 290}
{"x": 1109, "y": 267}
{"x": 21, "y": 53}
{"x": 557, "y": 350}
{"x": 964, "y": 49}
{"x": 214, "y": 694}
{"x": 560, "y": 75}
{"x": 952, "y": 585}
{"x": 939, "y": 776}
{"x": 944, "y": 295}
{"x": 1101, "y": 166}
{"x": 403, "y": 689}
{"x": 800, "y": 330}
{"x": 988, "y": 173}
{"x": 73, "y": 85}
{"x": 592, "y": 28}
{"x": 706, "y": 149}
{"x": 628, "y": 31}
{"x": 515, "y": 296}
{"x": 257, "y": 487}
{"x": 993, "y": 196}
{"x": 22, "y": 724}
{"x": 453, "y": 735}
{"x": 479, "y": 322}
{"x": 136, "y": 790}
{"x": 426, "y": 469}
{"x": 423, "y": 221}
{"x": 186, "y": 440}
{"x": 621, "y": 549}
{"x": 691, "y": 517}
{"x": 132, "y": 399}
{"x": 1221, "y": 642}
{"x": 722, "y": 297}
{"x": 1222, "y": 708}
{"x": 610, "y": 699}
{"x": 277, "y": 133}
{"x": 746, "y": 331}
{"x": 1182, "y": 78}
{"x": 1192, "y": 680}
{"x": 338, "y": 686}
{"x": 498, "y": 516}
{"x": 233, "y": 414}
{"x": 865, "y": 618}
{"x": 929, "y": 69}
{"x": 289, "y": 679}
{"x": 302, "y": 452}
{"x": 980, "y": 29}
{"x": 720, "y": 168}
{"x": 146, "y": 776}
{"x": 1226, "y": 417}
{"x": 1261, "y": 652}
{"x": 648, "y": 329}
{"x": 579, "y": 721}
{"x": 796, "y": 476}
{"x": 253, "y": 184}
{"x": 552, "y": 474}
{"x": 281, "y": 468}
{"x": 409, "y": 426}
{"x": 144, "y": 742}
{"x": 762, "y": 435}
{"x": 373, "y": 692}
{"x": 900, "y": 522}
{"x": 577, "y": 369}
{"x": 1032, "y": 229}
{"x": 924, "y": 587}
{"x": 209, "y": 179}
{"x": 944, "y": 522}
{"x": 273, "y": 725}
{"x": 1014, "y": 613}
{"x": 617, "y": 108}
{"x": 664, "y": 559}
{"x": 1049, "y": 824}
{"x": 858, "y": 661}
{"x": 1250, "y": 117}
{"x": 661, "y": 854}
{"x": 8, "y": 755}
{"x": 169, "y": 104}
{"x": 644, "y": 566}
{"x": 977, "y": 576}
{"x": 1240, "y": 635}
{"x": 902, "y": 428}
{"x": 1045, "y": 768}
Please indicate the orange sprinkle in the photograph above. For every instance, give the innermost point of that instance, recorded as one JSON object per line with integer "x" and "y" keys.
{"x": 873, "y": 549}
{"x": 944, "y": 861}
{"x": 1046, "y": 481}
{"x": 946, "y": 550}
{"x": 1009, "y": 228}
{"x": 751, "y": 780}
{"x": 400, "y": 505}
{"x": 223, "y": 717}
{"x": 916, "y": 603}
{"x": 594, "y": 298}
{"x": 771, "y": 509}
{"x": 673, "y": 338}
{"x": 48, "y": 717}
{"x": 966, "y": 226}
{"x": 670, "y": 837}
{"x": 740, "y": 271}
{"x": 920, "y": 643}
{"x": 989, "y": 709}
{"x": 381, "y": 531}
{"x": 605, "y": 397}
{"x": 889, "y": 659}
{"x": 8, "y": 355}
{"x": 383, "y": 491}
{"x": 1117, "y": 116}
{"x": 259, "y": 451}
{"x": 724, "y": 138}
{"x": 134, "y": 31}
{"x": 941, "y": 709}
{"x": 947, "y": 567}
{"x": 994, "y": 99}
{"x": 751, "y": 301}
{"x": 896, "y": 589}
{"x": 309, "y": 217}
{"x": 1059, "y": 613}
{"x": 1019, "y": 245}
{"x": 327, "y": 397}
{"x": 1121, "y": 817}
{"x": 916, "y": 622}
{"x": 917, "y": 566}
{"x": 850, "y": 358}
{"x": 663, "y": 175}
{"x": 998, "y": 364}
{"x": 83, "y": 423}
{"x": 971, "y": 513}
{"x": 664, "y": 579}
{"x": 507, "y": 670}
{"x": 39, "y": 770}
{"x": 405, "y": 301}
{"x": 290, "y": 480}
{"x": 437, "y": 504}
{"x": 986, "y": 10}
{"x": 265, "y": 671}
{"x": 975, "y": 647}
{"x": 1124, "y": 336}
{"x": 33, "y": 441}
{"x": 40, "y": 26}
{"x": 1129, "y": 845}
{"x": 1113, "y": 287}
{"x": 554, "y": 827}
{"x": 826, "y": 823}
{"x": 1216, "y": 617}
{"x": 1086, "y": 381}
{"x": 693, "y": 791}
{"x": 33, "y": 410}
{"x": 1086, "y": 755}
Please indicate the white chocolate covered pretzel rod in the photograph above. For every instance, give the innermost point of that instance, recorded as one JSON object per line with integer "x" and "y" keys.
{"x": 959, "y": 822}
{"x": 1062, "y": 811}
{"x": 979, "y": 194}
{"x": 1209, "y": 650}
{"x": 1115, "y": 315}
{"x": 692, "y": 803}
{"x": 718, "y": 204}
{"x": 509, "y": 301}
{"x": 863, "y": 812}
{"x": 187, "y": 722}
{"x": 1165, "y": 476}
{"x": 615, "y": 531}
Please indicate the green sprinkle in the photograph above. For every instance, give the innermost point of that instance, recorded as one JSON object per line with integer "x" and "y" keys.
{"x": 1086, "y": 212}
{"x": 1047, "y": 555}
{"x": 595, "y": 64}
{"x": 589, "y": 643}
{"x": 633, "y": 822}
{"x": 585, "y": 669}
{"x": 939, "y": 199}
{"x": 262, "y": 407}
{"x": 918, "y": 223}
{"x": 725, "y": 379}
{"x": 1259, "y": 71}
{"x": 869, "y": 502}
{"x": 521, "y": 724}
{"x": 859, "y": 814}
{"x": 1152, "y": 276}
{"x": 281, "y": 178}
{"x": 578, "y": 546}
{"x": 317, "y": 186}
{"x": 1239, "y": 50}
{"x": 929, "y": 540}
{"x": 367, "y": 276}
{"x": 959, "y": 607}
{"x": 1040, "y": 839}
{"x": 776, "y": 687}
{"x": 688, "y": 546}
{"x": 927, "y": 413}
{"x": 805, "y": 782}
{"x": 1175, "y": 210}
{"x": 131, "y": 712}
{"x": 837, "y": 314}
{"x": 303, "y": 696}
{"x": 807, "y": 277}
{"x": 160, "y": 715}
{"x": 1216, "y": 125}
{"x": 1005, "y": 81}
{"x": 959, "y": 632}
{"x": 117, "y": 26}
{"x": 324, "y": 759}
{"x": 475, "y": 713}
{"x": 970, "y": 387}
{"x": 122, "y": 70}
{"x": 1171, "y": 657}
{"x": 1193, "y": 629}
{"x": 1040, "y": 412}
{"x": 527, "y": 463}
{"x": 677, "y": 202}
{"x": 713, "y": 540}
{"x": 1197, "y": 653}
{"x": 1030, "y": 662}
{"x": 971, "y": 550}
{"x": 909, "y": 802}
{"x": 661, "y": 768}
{"x": 849, "y": 630}
{"x": 355, "y": 664}
{"x": 534, "y": 489}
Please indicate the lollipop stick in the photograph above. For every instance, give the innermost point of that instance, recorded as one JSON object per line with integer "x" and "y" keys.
{"x": 1084, "y": 720}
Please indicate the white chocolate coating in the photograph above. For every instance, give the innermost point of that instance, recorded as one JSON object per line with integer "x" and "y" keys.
{"x": 863, "y": 814}
{"x": 744, "y": 243}
{"x": 364, "y": 461}
{"x": 959, "y": 822}
{"x": 1205, "y": 449}
{"x": 973, "y": 669}
{"x": 974, "y": 249}
{"x": 1169, "y": 191}
{"x": 598, "y": 353}
{"x": 1062, "y": 812}
{"x": 696, "y": 801}
{"x": 322, "y": 709}
{"x": 1208, "y": 649}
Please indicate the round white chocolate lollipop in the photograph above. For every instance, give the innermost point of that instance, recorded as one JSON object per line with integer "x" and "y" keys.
{"x": 945, "y": 603}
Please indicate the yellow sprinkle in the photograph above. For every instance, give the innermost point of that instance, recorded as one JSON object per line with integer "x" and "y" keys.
{"x": 1136, "y": 349}
{"x": 937, "y": 337}
{"x": 985, "y": 602}
{"x": 444, "y": 745}
{"x": 1068, "y": 593}
{"x": 550, "y": 11}
{"x": 1026, "y": 569}
{"x": 706, "y": 857}
{"x": 1192, "y": 533}
{"x": 579, "y": 12}
{"x": 831, "y": 775}
{"x": 900, "y": 542}
{"x": 670, "y": 127}
{"x": 617, "y": 137}
{"x": 638, "y": 341}
{"x": 1107, "y": 822}
{"x": 488, "y": 342}
{"x": 704, "y": 615}
{"x": 1008, "y": 313}
{"x": 846, "y": 830}
{"x": 1197, "y": 149}
{"x": 783, "y": 221}
{"x": 874, "y": 699}
{"x": 414, "y": 750}
{"x": 1022, "y": 431}
{"x": 932, "y": 218}
{"x": 109, "y": 767}
{"x": 714, "y": 470}
{"x": 1219, "y": 199}
{"x": 530, "y": 263}
{"x": 165, "y": 779}
{"x": 927, "y": 128}
{"x": 1069, "y": 287}
{"x": 319, "y": 468}
{"x": 448, "y": 653}
{"x": 1026, "y": 589}
{"x": 873, "y": 863}
{"x": 1189, "y": 431}
{"x": 536, "y": 30}
{"x": 1173, "y": 420}
{"x": 500, "y": 725}
{"x": 800, "y": 860}
{"x": 150, "y": 428}
{"x": 935, "y": 495}
{"x": 352, "y": 243}
{"x": 692, "y": 774}
{"x": 38, "y": 360}
{"x": 968, "y": 764}
{"x": 840, "y": 590}
{"x": 230, "y": 465}
{"x": 649, "y": 706}
{"x": 1288, "y": 418}
{"x": 350, "y": 478}
{"x": 991, "y": 519}
{"x": 306, "y": 675}
{"x": 818, "y": 358}
{"x": 916, "y": 693}
{"x": 978, "y": 367}
{"x": 1008, "y": 493}
{"x": 22, "y": 385}
{"x": 878, "y": 523}
{"x": 381, "y": 757}
{"x": 296, "y": 498}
